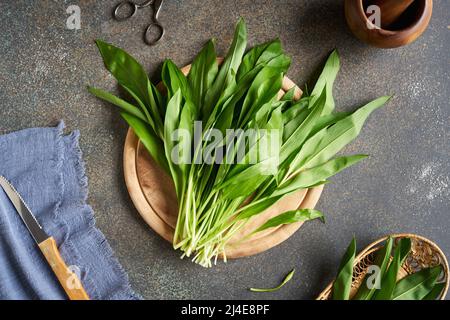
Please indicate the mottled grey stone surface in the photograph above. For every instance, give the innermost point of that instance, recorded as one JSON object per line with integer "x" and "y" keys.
{"x": 402, "y": 187}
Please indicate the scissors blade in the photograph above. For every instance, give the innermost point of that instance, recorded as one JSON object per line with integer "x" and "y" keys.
{"x": 24, "y": 211}
{"x": 157, "y": 6}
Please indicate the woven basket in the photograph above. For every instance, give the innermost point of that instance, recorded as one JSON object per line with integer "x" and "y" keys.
{"x": 424, "y": 253}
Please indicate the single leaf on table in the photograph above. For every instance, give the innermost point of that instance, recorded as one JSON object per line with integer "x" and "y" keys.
{"x": 203, "y": 71}
{"x": 285, "y": 280}
{"x": 343, "y": 283}
{"x": 148, "y": 138}
{"x": 382, "y": 258}
{"x": 326, "y": 80}
{"x": 291, "y": 217}
{"x": 125, "y": 106}
{"x": 418, "y": 285}
{"x": 389, "y": 280}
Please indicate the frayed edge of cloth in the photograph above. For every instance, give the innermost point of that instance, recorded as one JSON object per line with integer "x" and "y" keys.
{"x": 122, "y": 290}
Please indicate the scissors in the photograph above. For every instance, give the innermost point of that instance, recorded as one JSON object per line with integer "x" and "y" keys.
{"x": 121, "y": 14}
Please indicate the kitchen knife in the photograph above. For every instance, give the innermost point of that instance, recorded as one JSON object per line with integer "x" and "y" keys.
{"x": 68, "y": 279}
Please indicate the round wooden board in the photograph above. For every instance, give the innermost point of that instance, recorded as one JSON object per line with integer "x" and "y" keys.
{"x": 153, "y": 194}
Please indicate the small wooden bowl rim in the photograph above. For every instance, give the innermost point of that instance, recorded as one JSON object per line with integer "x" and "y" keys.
{"x": 374, "y": 246}
{"x": 415, "y": 26}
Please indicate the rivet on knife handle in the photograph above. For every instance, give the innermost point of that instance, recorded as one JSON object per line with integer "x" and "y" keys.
{"x": 68, "y": 280}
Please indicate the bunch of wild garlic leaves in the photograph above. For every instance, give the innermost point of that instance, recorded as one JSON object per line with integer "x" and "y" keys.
{"x": 217, "y": 197}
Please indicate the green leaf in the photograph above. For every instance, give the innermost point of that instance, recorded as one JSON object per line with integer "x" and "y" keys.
{"x": 381, "y": 260}
{"x": 228, "y": 69}
{"x": 342, "y": 284}
{"x": 291, "y": 217}
{"x": 175, "y": 80}
{"x": 269, "y": 53}
{"x": 125, "y": 106}
{"x": 295, "y": 109}
{"x": 300, "y": 134}
{"x": 328, "y": 120}
{"x": 256, "y": 207}
{"x": 417, "y": 285}
{"x": 171, "y": 123}
{"x": 405, "y": 249}
{"x": 132, "y": 77}
{"x": 285, "y": 280}
{"x": 202, "y": 74}
{"x": 312, "y": 176}
{"x": 289, "y": 95}
{"x": 326, "y": 80}
{"x": 264, "y": 88}
{"x": 390, "y": 278}
{"x": 319, "y": 149}
{"x": 186, "y": 130}
{"x": 246, "y": 182}
{"x": 436, "y": 292}
{"x": 295, "y": 122}
{"x": 148, "y": 138}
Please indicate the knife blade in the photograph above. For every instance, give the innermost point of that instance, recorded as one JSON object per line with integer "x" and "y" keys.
{"x": 47, "y": 244}
{"x": 25, "y": 213}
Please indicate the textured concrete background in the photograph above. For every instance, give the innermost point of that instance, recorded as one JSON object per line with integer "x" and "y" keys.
{"x": 402, "y": 187}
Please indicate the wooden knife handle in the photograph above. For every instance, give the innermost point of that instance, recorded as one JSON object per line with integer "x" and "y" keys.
{"x": 68, "y": 280}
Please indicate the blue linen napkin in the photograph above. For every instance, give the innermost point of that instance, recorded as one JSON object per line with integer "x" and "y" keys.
{"x": 47, "y": 169}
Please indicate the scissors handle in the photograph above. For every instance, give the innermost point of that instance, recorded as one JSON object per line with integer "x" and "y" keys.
{"x": 150, "y": 39}
{"x": 121, "y": 14}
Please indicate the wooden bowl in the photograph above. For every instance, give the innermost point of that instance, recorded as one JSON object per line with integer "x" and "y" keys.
{"x": 410, "y": 26}
{"x": 424, "y": 253}
{"x": 153, "y": 194}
